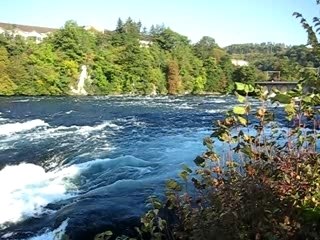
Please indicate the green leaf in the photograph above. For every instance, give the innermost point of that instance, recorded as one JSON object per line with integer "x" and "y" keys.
{"x": 155, "y": 202}
{"x": 242, "y": 120}
{"x": 240, "y": 98}
{"x": 103, "y": 236}
{"x": 239, "y": 86}
{"x": 248, "y": 88}
{"x": 199, "y": 161}
{"x": 186, "y": 168}
{"x": 239, "y": 110}
{"x": 162, "y": 224}
{"x": 173, "y": 185}
{"x": 224, "y": 136}
{"x": 184, "y": 175}
{"x": 247, "y": 151}
{"x": 290, "y": 110}
{"x": 281, "y": 98}
{"x": 307, "y": 99}
{"x": 207, "y": 141}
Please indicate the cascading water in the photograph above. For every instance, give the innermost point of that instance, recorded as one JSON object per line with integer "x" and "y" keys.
{"x": 80, "y": 88}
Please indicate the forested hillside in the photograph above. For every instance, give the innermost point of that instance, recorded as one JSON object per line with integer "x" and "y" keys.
{"x": 293, "y": 62}
{"x": 136, "y": 60}
{"x": 129, "y": 60}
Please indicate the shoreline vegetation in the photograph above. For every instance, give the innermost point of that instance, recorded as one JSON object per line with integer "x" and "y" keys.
{"x": 125, "y": 95}
{"x": 138, "y": 61}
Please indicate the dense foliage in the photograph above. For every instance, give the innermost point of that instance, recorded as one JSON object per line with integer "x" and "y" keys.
{"x": 129, "y": 60}
{"x": 134, "y": 60}
{"x": 291, "y": 61}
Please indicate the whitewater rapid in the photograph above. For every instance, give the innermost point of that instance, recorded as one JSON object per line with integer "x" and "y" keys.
{"x": 67, "y": 162}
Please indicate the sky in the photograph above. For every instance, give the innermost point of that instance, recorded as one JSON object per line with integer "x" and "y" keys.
{"x": 227, "y": 21}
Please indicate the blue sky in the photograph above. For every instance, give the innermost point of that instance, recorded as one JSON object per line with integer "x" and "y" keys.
{"x": 227, "y": 21}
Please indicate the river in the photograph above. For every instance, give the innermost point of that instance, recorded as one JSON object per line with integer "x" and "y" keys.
{"x": 81, "y": 165}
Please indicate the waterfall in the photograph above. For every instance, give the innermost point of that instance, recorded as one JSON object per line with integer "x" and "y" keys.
{"x": 80, "y": 87}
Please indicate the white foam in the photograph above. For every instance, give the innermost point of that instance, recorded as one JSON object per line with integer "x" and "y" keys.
{"x": 50, "y": 131}
{"x": 11, "y": 128}
{"x": 99, "y": 127}
{"x": 26, "y": 188}
{"x": 184, "y": 106}
{"x": 219, "y": 101}
{"x": 105, "y": 147}
{"x": 216, "y": 100}
{"x": 133, "y": 121}
{"x": 213, "y": 110}
{"x": 56, "y": 234}
{"x": 5, "y": 146}
{"x": 1, "y": 118}
{"x": 7, "y": 235}
{"x": 22, "y": 100}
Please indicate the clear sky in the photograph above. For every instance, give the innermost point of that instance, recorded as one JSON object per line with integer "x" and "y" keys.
{"x": 227, "y": 21}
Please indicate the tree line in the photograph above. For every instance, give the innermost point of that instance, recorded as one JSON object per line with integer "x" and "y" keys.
{"x": 129, "y": 60}
{"x": 294, "y": 62}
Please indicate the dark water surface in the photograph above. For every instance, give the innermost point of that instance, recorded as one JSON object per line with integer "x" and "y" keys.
{"x": 78, "y": 165}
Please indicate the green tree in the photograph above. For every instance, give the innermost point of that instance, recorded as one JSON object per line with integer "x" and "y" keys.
{"x": 15, "y": 45}
{"x": 7, "y": 86}
{"x": 74, "y": 42}
{"x": 136, "y": 62}
{"x": 189, "y": 66}
{"x": 199, "y": 85}
{"x": 18, "y": 72}
{"x": 214, "y": 76}
{"x": 168, "y": 40}
{"x": 245, "y": 74}
{"x": 289, "y": 69}
{"x": 158, "y": 61}
{"x": 311, "y": 79}
{"x": 227, "y": 69}
{"x": 44, "y": 72}
{"x": 126, "y": 33}
{"x": 204, "y": 48}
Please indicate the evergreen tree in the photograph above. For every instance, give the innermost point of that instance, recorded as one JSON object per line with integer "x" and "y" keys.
{"x": 215, "y": 82}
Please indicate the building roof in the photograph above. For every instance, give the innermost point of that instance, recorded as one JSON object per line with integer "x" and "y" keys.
{"x": 26, "y": 28}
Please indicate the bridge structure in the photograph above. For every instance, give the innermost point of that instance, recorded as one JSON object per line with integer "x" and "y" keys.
{"x": 275, "y": 82}
{"x": 282, "y": 86}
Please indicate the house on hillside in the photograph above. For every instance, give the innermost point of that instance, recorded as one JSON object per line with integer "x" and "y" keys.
{"x": 239, "y": 63}
{"x": 94, "y": 28}
{"x": 33, "y": 32}
{"x": 145, "y": 43}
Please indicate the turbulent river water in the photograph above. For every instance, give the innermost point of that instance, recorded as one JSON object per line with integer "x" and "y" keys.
{"x": 81, "y": 165}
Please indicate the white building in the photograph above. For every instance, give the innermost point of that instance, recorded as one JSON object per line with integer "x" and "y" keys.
{"x": 144, "y": 43}
{"x": 34, "y": 32}
{"x": 239, "y": 63}
{"x": 94, "y": 28}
